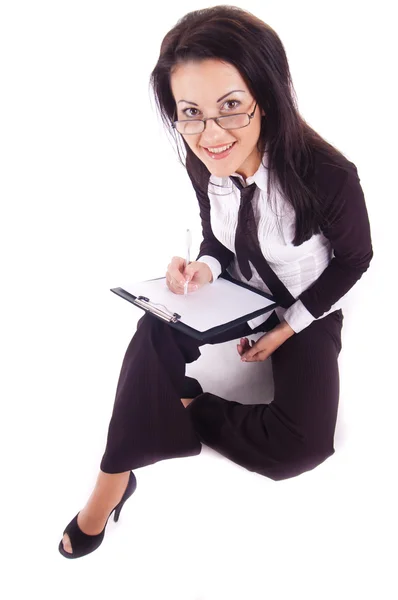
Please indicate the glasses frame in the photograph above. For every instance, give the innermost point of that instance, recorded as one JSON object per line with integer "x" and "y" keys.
{"x": 216, "y": 119}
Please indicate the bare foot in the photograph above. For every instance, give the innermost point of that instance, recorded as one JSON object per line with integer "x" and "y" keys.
{"x": 107, "y": 493}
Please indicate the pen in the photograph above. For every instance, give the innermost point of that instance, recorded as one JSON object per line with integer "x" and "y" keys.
{"x": 188, "y": 241}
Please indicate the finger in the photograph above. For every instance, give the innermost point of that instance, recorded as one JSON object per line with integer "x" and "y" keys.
{"x": 173, "y": 285}
{"x": 248, "y": 354}
{"x": 248, "y": 357}
{"x": 242, "y": 346}
{"x": 170, "y": 280}
{"x": 250, "y": 344}
{"x": 192, "y": 287}
{"x": 177, "y": 262}
{"x": 178, "y": 289}
{"x": 170, "y": 285}
{"x": 257, "y": 357}
{"x": 176, "y": 269}
{"x": 190, "y": 272}
{"x": 177, "y": 277}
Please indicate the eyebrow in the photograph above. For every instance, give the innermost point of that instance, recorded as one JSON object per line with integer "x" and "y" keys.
{"x": 219, "y": 100}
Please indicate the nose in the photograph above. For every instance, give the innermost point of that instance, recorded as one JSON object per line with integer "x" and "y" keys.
{"x": 213, "y": 134}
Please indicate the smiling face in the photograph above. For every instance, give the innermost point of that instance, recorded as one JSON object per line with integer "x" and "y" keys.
{"x": 211, "y": 88}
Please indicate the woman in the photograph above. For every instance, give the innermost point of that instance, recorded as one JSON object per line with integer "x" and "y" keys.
{"x": 281, "y": 209}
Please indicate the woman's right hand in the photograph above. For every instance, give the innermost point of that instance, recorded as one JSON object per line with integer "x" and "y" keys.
{"x": 198, "y": 274}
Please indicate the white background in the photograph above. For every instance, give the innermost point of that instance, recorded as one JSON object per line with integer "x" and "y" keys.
{"x": 92, "y": 193}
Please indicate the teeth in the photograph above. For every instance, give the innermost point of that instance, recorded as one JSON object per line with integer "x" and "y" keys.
{"x": 218, "y": 150}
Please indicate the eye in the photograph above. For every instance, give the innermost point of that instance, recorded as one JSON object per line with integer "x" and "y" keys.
{"x": 186, "y": 113}
{"x": 196, "y": 116}
{"x": 236, "y": 103}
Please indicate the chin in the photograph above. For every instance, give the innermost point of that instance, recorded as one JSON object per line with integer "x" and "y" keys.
{"x": 225, "y": 171}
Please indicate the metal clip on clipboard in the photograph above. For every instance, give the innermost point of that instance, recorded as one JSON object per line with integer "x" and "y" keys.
{"x": 151, "y": 307}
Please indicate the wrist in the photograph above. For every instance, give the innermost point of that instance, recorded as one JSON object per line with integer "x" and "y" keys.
{"x": 286, "y": 329}
{"x": 210, "y": 273}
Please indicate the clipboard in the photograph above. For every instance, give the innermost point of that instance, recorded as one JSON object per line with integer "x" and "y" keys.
{"x": 174, "y": 319}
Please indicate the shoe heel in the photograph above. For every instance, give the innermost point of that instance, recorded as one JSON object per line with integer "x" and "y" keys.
{"x": 117, "y": 512}
{"x": 131, "y": 486}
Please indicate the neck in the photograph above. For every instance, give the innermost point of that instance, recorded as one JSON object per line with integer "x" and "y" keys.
{"x": 250, "y": 166}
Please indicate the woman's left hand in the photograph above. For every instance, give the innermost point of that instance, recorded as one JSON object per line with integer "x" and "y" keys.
{"x": 265, "y": 345}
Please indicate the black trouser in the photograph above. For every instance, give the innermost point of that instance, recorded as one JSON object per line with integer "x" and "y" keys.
{"x": 292, "y": 434}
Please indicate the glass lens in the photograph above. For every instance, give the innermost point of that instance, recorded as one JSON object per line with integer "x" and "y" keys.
{"x": 234, "y": 121}
{"x": 227, "y": 122}
{"x": 189, "y": 127}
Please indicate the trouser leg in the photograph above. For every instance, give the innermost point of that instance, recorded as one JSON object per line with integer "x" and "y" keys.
{"x": 294, "y": 433}
{"x": 149, "y": 422}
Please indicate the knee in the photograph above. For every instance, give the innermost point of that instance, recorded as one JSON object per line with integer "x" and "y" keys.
{"x": 162, "y": 335}
{"x": 300, "y": 462}
{"x": 148, "y": 320}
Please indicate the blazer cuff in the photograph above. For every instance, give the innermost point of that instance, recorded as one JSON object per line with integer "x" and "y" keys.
{"x": 213, "y": 263}
{"x": 298, "y": 316}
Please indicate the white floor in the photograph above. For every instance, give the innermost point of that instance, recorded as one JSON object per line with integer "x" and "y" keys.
{"x": 200, "y": 528}
{"x": 92, "y": 193}
{"x": 220, "y": 371}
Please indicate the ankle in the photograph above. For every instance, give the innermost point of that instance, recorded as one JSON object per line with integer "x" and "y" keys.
{"x": 112, "y": 478}
{"x": 106, "y": 494}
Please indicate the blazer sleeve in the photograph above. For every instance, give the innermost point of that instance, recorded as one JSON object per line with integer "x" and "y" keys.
{"x": 346, "y": 226}
{"x": 211, "y": 246}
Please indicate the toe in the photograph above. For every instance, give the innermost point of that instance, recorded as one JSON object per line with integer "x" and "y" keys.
{"x": 66, "y": 543}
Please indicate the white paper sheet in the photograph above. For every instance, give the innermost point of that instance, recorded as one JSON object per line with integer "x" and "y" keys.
{"x": 212, "y": 305}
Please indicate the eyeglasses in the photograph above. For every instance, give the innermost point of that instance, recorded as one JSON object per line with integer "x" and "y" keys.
{"x": 195, "y": 126}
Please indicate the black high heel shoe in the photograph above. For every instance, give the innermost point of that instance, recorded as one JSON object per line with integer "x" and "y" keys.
{"x": 81, "y": 542}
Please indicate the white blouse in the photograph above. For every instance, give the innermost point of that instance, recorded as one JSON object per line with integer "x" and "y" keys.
{"x": 296, "y": 266}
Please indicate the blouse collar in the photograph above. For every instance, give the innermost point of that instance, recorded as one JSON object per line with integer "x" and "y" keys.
{"x": 260, "y": 177}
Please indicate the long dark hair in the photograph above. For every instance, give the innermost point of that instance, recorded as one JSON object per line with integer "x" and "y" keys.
{"x": 235, "y": 36}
